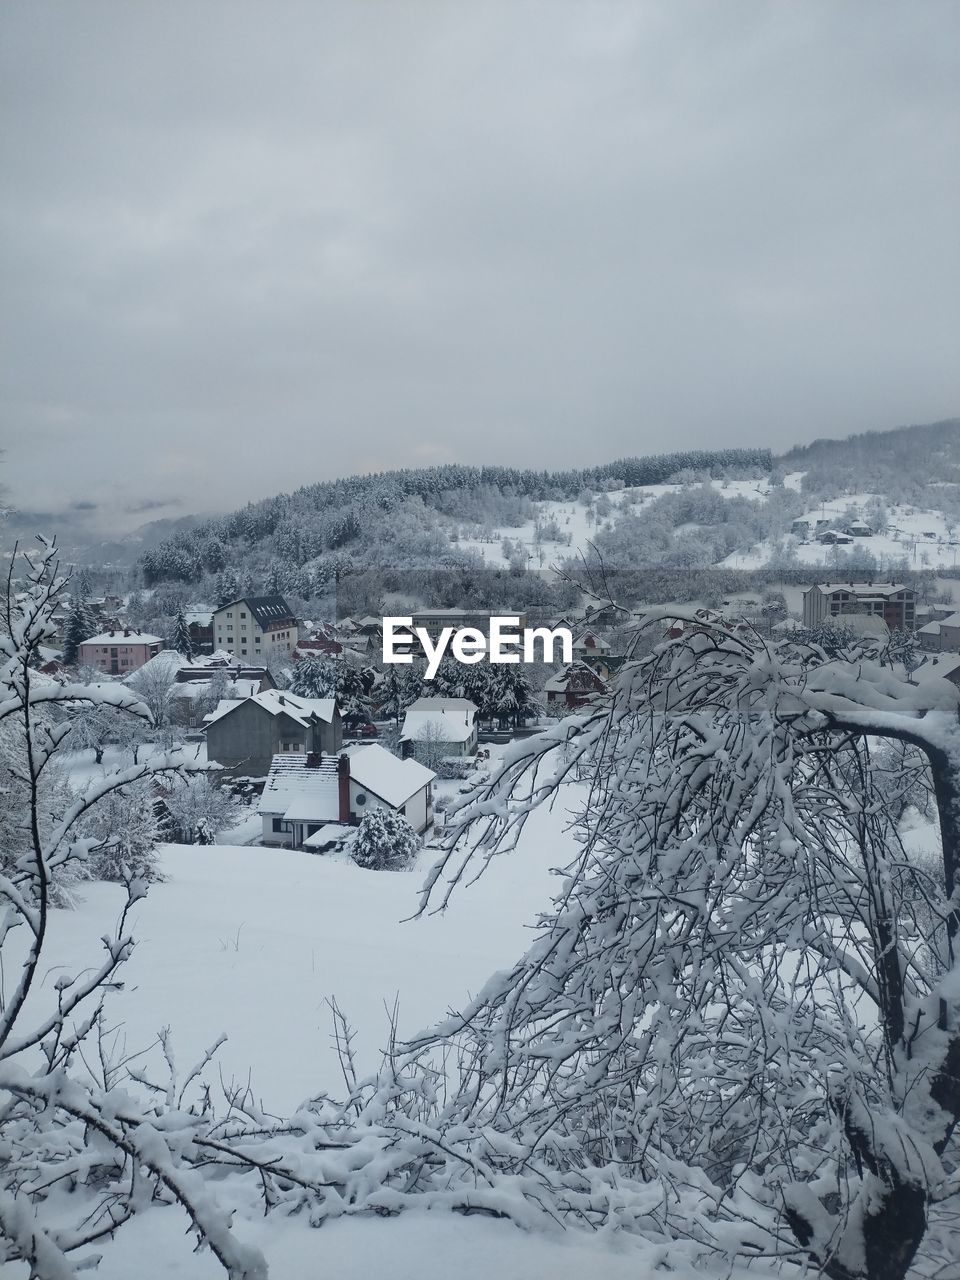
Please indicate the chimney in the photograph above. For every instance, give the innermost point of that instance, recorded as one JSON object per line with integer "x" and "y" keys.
{"x": 126, "y": 632}
{"x": 343, "y": 787}
{"x": 313, "y": 760}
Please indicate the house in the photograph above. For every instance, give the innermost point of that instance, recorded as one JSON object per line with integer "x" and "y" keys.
{"x": 833, "y": 537}
{"x": 607, "y": 615}
{"x": 200, "y": 627}
{"x": 200, "y": 686}
{"x": 929, "y": 637}
{"x": 306, "y": 797}
{"x": 323, "y": 643}
{"x": 606, "y": 665}
{"x": 894, "y": 602}
{"x": 256, "y": 627}
{"x": 572, "y": 687}
{"x": 244, "y": 735}
{"x": 858, "y": 529}
{"x": 452, "y": 721}
{"x": 118, "y": 652}
{"x": 800, "y": 528}
{"x": 950, "y": 633}
{"x": 588, "y": 645}
{"x": 946, "y": 667}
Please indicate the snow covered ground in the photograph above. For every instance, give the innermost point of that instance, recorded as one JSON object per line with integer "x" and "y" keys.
{"x": 573, "y": 520}
{"x": 251, "y": 942}
{"x": 923, "y": 538}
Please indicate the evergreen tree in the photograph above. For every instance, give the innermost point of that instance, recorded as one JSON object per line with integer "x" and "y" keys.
{"x": 228, "y": 587}
{"x": 75, "y": 632}
{"x": 181, "y": 635}
{"x": 313, "y": 677}
{"x": 353, "y": 694}
{"x": 385, "y": 841}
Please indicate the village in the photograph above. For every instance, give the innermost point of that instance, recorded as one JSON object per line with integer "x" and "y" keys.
{"x": 309, "y": 731}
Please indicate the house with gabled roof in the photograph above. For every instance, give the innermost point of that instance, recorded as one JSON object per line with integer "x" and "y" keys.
{"x": 452, "y": 722}
{"x": 118, "y": 651}
{"x": 256, "y": 627}
{"x": 306, "y": 798}
{"x": 245, "y": 734}
{"x": 572, "y": 687}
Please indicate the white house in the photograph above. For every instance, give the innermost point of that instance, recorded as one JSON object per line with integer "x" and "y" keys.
{"x": 447, "y": 720}
{"x": 256, "y": 627}
{"x": 306, "y": 797}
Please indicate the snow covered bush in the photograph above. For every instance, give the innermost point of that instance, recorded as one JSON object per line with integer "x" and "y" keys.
{"x": 199, "y": 809}
{"x": 124, "y": 825}
{"x": 384, "y": 841}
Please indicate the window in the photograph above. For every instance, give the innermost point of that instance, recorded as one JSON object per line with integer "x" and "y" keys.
{"x": 243, "y": 615}
{"x": 280, "y": 826}
{"x": 360, "y": 799}
{"x": 229, "y": 613}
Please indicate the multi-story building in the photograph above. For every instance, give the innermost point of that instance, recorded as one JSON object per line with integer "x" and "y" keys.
{"x": 118, "y": 652}
{"x": 257, "y": 627}
{"x": 894, "y": 602}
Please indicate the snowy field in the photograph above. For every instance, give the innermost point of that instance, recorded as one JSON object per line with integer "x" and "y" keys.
{"x": 573, "y": 520}
{"x": 924, "y": 538}
{"x": 251, "y": 942}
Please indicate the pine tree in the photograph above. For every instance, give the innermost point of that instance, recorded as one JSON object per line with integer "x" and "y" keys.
{"x": 313, "y": 677}
{"x": 385, "y": 841}
{"x": 75, "y": 632}
{"x": 181, "y": 635}
{"x": 228, "y": 587}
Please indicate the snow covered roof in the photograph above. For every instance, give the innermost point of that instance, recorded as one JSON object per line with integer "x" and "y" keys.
{"x": 266, "y": 611}
{"x": 942, "y": 667}
{"x": 275, "y": 702}
{"x": 578, "y": 677}
{"x": 123, "y": 636}
{"x": 168, "y": 661}
{"x": 329, "y": 833}
{"x": 863, "y": 588}
{"x": 931, "y": 629}
{"x": 953, "y": 620}
{"x": 300, "y": 791}
{"x": 381, "y": 772}
{"x": 455, "y": 717}
{"x": 598, "y": 642}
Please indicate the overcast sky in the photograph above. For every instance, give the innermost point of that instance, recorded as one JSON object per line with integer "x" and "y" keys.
{"x": 248, "y": 246}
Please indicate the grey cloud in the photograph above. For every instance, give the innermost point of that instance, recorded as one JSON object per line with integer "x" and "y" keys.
{"x": 247, "y": 246}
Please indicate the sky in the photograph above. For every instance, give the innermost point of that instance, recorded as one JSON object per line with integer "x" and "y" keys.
{"x": 247, "y": 246}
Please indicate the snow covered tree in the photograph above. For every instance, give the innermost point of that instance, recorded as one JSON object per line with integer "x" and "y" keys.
{"x": 91, "y": 728}
{"x": 181, "y": 635}
{"x": 746, "y": 987}
{"x": 58, "y": 1120}
{"x": 384, "y": 841}
{"x": 229, "y": 587}
{"x": 76, "y": 630}
{"x": 396, "y": 689}
{"x": 432, "y": 744}
{"x": 313, "y": 677}
{"x": 124, "y": 825}
{"x": 199, "y": 809}
{"x": 152, "y": 684}
{"x": 353, "y": 694}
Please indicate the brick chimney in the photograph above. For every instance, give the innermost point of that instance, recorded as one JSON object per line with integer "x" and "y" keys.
{"x": 343, "y": 787}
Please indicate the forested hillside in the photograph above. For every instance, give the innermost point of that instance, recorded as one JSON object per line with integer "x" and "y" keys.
{"x": 301, "y": 542}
